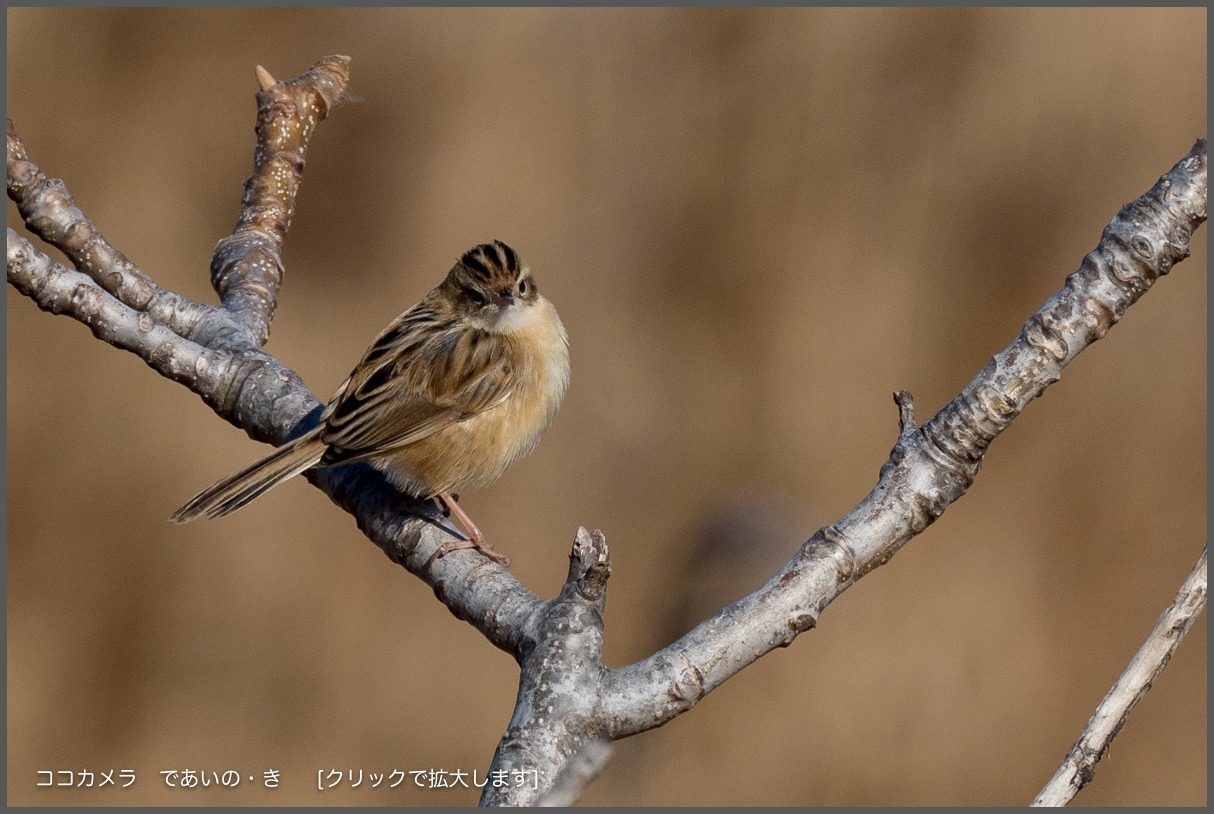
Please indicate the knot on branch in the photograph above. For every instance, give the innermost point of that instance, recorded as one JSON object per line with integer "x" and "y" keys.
{"x": 687, "y": 684}
{"x": 252, "y": 391}
{"x": 954, "y": 440}
{"x": 957, "y": 438}
{"x": 906, "y": 412}
{"x": 21, "y": 171}
{"x": 289, "y": 111}
{"x": 321, "y": 88}
{"x": 829, "y": 543}
{"x": 589, "y": 565}
{"x": 246, "y": 271}
{"x": 564, "y": 623}
{"x": 906, "y": 430}
{"x": 1150, "y": 234}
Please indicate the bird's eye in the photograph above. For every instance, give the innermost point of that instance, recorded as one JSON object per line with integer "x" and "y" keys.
{"x": 522, "y": 286}
{"x": 475, "y": 296}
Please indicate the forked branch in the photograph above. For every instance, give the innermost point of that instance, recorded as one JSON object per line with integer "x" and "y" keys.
{"x": 569, "y": 704}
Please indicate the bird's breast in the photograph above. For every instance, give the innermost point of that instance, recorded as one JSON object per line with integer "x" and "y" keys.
{"x": 472, "y": 453}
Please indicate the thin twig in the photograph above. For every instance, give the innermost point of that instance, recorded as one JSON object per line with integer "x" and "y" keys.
{"x": 1079, "y": 765}
{"x": 581, "y": 769}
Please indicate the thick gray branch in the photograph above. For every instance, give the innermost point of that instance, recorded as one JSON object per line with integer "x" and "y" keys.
{"x": 560, "y": 662}
{"x": 928, "y": 469}
{"x": 62, "y": 291}
{"x": 567, "y": 699}
{"x": 1079, "y": 765}
{"x": 216, "y": 351}
{"x": 49, "y": 212}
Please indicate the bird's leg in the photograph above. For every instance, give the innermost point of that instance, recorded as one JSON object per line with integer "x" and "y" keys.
{"x": 449, "y": 505}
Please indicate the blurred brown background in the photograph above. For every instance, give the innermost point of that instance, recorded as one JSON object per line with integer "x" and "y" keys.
{"x": 756, "y": 224}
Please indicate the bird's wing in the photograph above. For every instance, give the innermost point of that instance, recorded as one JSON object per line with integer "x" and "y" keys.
{"x": 416, "y": 378}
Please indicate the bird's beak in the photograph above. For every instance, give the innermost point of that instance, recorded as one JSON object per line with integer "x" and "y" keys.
{"x": 504, "y": 297}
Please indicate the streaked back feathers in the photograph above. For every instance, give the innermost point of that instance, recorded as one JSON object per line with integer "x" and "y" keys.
{"x": 448, "y": 395}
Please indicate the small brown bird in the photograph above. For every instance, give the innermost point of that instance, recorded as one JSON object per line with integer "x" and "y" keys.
{"x": 455, "y": 390}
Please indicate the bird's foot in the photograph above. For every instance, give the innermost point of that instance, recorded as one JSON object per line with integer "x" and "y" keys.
{"x": 475, "y": 539}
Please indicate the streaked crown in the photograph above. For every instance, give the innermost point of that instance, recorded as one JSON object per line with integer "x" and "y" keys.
{"x": 493, "y": 274}
{"x": 490, "y": 263}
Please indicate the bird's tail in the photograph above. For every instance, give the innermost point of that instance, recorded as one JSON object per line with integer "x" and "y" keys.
{"x": 236, "y": 490}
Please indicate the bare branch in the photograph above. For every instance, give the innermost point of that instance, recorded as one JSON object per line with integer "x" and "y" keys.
{"x": 49, "y": 212}
{"x": 556, "y": 715}
{"x": 63, "y": 291}
{"x": 247, "y": 267}
{"x": 567, "y": 699}
{"x": 929, "y": 467}
{"x": 1079, "y": 766}
{"x": 581, "y": 769}
{"x": 215, "y": 354}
